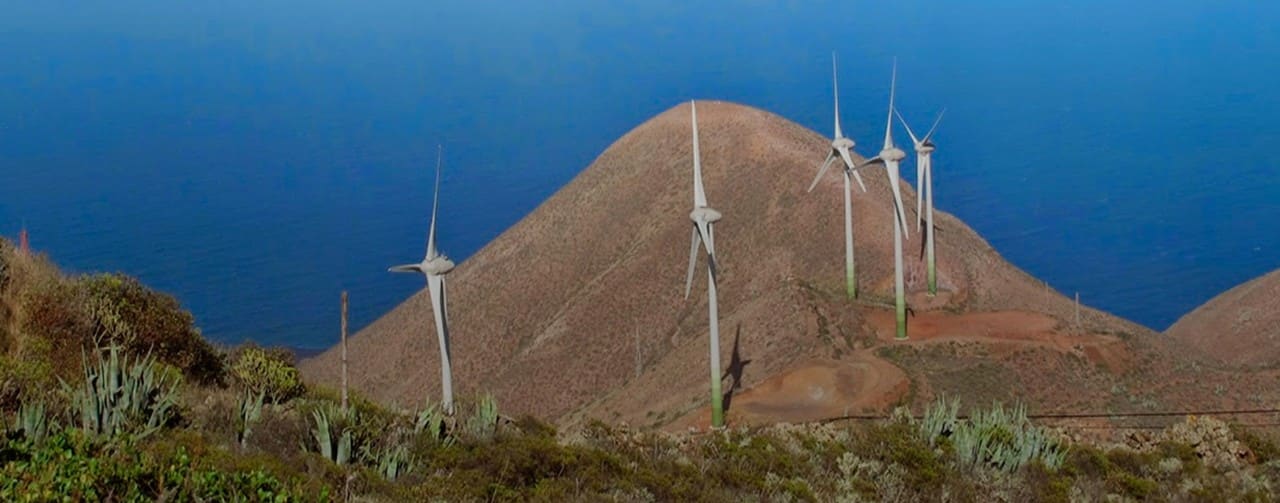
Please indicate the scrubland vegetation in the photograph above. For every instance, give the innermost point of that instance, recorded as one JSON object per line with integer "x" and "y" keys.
{"x": 108, "y": 392}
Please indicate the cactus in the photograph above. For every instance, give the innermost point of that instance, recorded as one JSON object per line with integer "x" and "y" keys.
{"x": 250, "y": 411}
{"x": 331, "y": 444}
{"x": 120, "y": 396}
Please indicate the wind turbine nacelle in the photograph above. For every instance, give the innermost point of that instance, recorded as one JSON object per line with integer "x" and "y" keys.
{"x": 925, "y": 149}
{"x": 839, "y": 143}
{"x": 893, "y": 154}
{"x": 437, "y": 266}
{"x": 704, "y": 214}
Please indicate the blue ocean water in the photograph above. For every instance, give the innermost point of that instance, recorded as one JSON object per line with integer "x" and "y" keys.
{"x": 256, "y": 158}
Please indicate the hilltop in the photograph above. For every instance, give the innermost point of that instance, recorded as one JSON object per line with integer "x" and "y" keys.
{"x": 1239, "y": 327}
{"x": 577, "y": 311}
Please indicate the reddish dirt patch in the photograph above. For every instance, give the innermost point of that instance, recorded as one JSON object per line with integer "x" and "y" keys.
{"x": 1005, "y": 332}
{"x": 817, "y": 389}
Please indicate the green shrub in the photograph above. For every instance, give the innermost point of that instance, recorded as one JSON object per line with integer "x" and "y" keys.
{"x": 267, "y": 373}
{"x": 147, "y": 321}
{"x": 73, "y": 467}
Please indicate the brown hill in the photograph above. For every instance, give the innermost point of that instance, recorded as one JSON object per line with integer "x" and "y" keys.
{"x": 1239, "y": 327}
{"x": 578, "y": 311}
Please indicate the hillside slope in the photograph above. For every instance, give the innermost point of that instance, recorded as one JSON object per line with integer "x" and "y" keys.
{"x": 1239, "y": 327}
{"x": 578, "y": 310}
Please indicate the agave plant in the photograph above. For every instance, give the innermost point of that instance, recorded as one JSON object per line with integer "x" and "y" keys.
{"x": 333, "y": 438}
{"x": 120, "y": 396}
{"x": 1006, "y": 440}
{"x": 484, "y": 422}
{"x": 250, "y": 412}
{"x": 392, "y": 460}
{"x": 33, "y": 423}
{"x": 939, "y": 420}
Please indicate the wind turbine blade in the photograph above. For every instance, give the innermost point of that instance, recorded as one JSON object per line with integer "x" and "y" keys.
{"x": 822, "y": 170}
{"x": 869, "y": 162}
{"x": 858, "y": 178}
{"x": 435, "y": 206}
{"x": 920, "y": 188}
{"x": 835, "y": 85}
{"x": 699, "y": 194}
{"x": 888, "y": 123}
{"x": 704, "y": 229}
{"x": 897, "y": 198}
{"x": 849, "y": 166}
{"x": 914, "y": 140}
{"x": 693, "y": 262}
{"x": 935, "y": 125}
{"x": 406, "y": 268}
{"x": 712, "y": 266}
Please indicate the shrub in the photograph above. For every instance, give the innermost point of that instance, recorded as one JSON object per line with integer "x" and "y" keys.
{"x": 73, "y": 467}
{"x": 268, "y": 373}
{"x": 147, "y": 321}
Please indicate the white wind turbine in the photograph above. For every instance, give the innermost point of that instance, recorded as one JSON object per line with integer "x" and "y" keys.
{"x": 435, "y": 266}
{"x": 840, "y": 148}
{"x": 890, "y": 156}
{"x": 924, "y": 196}
{"x": 703, "y": 218}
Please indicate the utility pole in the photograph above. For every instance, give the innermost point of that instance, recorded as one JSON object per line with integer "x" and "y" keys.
{"x": 344, "y": 351}
{"x": 1078, "y": 327}
{"x": 639, "y": 364}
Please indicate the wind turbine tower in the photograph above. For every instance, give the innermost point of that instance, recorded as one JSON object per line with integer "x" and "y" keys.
{"x": 704, "y": 218}
{"x": 435, "y": 266}
{"x": 924, "y": 196}
{"x": 891, "y": 156}
{"x": 840, "y": 148}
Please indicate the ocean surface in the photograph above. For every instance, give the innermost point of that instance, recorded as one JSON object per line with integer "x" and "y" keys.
{"x": 256, "y": 158}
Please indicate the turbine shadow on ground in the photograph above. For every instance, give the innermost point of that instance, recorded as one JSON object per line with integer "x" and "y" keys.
{"x": 736, "y": 367}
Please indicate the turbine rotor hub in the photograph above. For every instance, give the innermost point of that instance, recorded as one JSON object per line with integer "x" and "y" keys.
{"x": 893, "y": 154}
{"x": 925, "y": 149}
{"x": 839, "y": 143}
{"x": 704, "y": 214}
{"x": 437, "y": 266}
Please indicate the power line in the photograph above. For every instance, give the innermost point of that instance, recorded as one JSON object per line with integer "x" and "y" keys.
{"x": 1079, "y": 415}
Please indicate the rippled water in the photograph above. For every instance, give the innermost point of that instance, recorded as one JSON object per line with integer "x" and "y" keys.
{"x": 255, "y": 158}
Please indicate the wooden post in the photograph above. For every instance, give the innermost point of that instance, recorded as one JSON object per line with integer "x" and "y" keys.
{"x": 344, "y": 351}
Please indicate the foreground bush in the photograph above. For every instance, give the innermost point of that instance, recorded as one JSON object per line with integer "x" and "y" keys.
{"x": 270, "y": 374}
{"x": 71, "y": 466}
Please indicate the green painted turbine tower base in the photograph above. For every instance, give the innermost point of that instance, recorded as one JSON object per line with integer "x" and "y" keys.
{"x": 901, "y": 308}
{"x": 717, "y": 405}
{"x": 851, "y": 284}
{"x": 933, "y": 277}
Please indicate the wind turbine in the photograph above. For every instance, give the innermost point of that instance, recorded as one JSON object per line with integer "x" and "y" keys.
{"x": 924, "y": 196}
{"x": 840, "y": 148}
{"x": 703, "y": 218}
{"x": 890, "y": 156}
{"x": 435, "y": 266}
